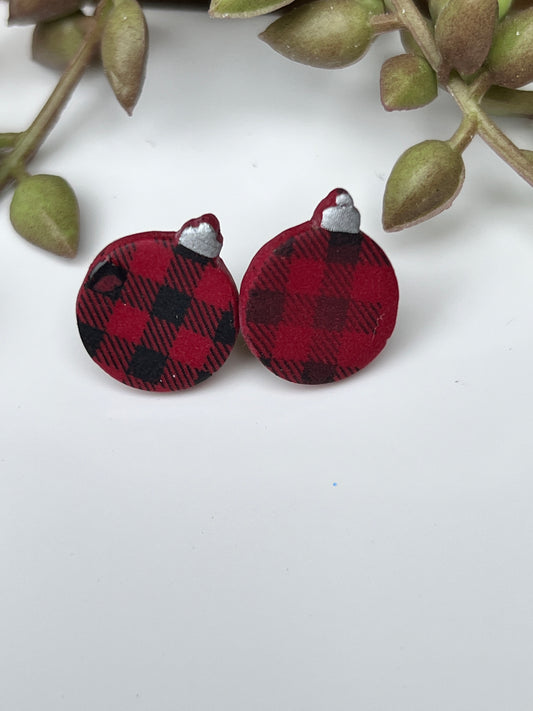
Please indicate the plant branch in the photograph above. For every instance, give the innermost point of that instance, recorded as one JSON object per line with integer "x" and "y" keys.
{"x": 412, "y": 19}
{"x": 28, "y": 142}
{"x": 467, "y": 99}
{"x": 387, "y": 22}
{"x": 504, "y": 147}
{"x": 464, "y": 134}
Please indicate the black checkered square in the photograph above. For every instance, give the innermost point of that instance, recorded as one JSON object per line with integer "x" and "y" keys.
{"x": 171, "y": 305}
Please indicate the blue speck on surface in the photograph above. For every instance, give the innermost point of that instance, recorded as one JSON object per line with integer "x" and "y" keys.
{"x": 334, "y": 483}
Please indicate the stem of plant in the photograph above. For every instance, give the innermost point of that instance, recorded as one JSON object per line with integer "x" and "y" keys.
{"x": 410, "y": 17}
{"x": 464, "y": 134}
{"x": 25, "y": 144}
{"x": 387, "y": 22}
{"x": 467, "y": 99}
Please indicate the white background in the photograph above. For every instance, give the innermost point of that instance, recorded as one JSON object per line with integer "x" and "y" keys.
{"x": 254, "y": 545}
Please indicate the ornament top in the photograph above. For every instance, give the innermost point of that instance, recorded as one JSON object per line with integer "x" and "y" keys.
{"x": 202, "y": 235}
{"x": 337, "y": 213}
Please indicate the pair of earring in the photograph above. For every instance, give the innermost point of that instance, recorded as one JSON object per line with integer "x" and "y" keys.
{"x": 160, "y": 311}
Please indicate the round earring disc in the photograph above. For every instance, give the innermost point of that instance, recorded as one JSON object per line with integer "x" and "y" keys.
{"x": 317, "y": 306}
{"x": 156, "y": 315}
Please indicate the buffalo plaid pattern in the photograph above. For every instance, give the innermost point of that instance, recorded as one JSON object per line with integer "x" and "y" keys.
{"x": 156, "y": 315}
{"x": 317, "y": 306}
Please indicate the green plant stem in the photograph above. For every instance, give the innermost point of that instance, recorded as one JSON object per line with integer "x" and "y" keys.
{"x": 464, "y": 134}
{"x": 468, "y": 100}
{"x": 412, "y": 19}
{"x": 386, "y": 22}
{"x": 28, "y": 142}
{"x": 504, "y": 147}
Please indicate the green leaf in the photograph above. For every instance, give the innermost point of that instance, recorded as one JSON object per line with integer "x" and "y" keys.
{"x": 55, "y": 43}
{"x": 407, "y": 82}
{"x": 510, "y": 59}
{"x": 322, "y": 34}
{"x": 409, "y": 43}
{"x": 31, "y": 11}
{"x": 124, "y": 48}
{"x": 464, "y": 31}
{"x": 44, "y": 210}
{"x": 245, "y": 8}
{"x": 504, "y": 6}
{"x": 436, "y": 7}
{"x": 424, "y": 182}
{"x": 374, "y": 7}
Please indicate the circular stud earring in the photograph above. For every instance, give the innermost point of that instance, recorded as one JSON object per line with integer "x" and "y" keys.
{"x": 159, "y": 310}
{"x": 319, "y": 301}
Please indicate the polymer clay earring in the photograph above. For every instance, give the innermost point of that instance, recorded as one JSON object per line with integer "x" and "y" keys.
{"x": 319, "y": 301}
{"x": 159, "y": 310}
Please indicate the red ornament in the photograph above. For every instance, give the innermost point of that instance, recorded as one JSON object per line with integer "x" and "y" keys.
{"x": 159, "y": 310}
{"x": 319, "y": 301}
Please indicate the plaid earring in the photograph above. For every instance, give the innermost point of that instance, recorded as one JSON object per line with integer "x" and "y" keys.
{"x": 159, "y": 310}
{"x": 319, "y": 301}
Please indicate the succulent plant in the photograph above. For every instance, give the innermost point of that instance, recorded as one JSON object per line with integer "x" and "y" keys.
{"x": 479, "y": 51}
{"x": 44, "y": 209}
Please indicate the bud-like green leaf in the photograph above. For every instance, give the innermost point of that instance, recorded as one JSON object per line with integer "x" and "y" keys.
{"x": 435, "y": 8}
{"x": 55, "y": 43}
{"x": 245, "y": 8}
{"x": 407, "y": 82}
{"x": 31, "y": 11}
{"x": 124, "y": 47}
{"x": 44, "y": 210}
{"x": 504, "y": 7}
{"x": 322, "y": 33}
{"x": 409, "y": 43}
{"x": 422, "y": 5}
{"x": 510, "y": 59}
{"x": 374, "y": 7}
{"x": 500, "y": 101}
{"x": 464, "y": 32}
{"x": 424, "y": 182}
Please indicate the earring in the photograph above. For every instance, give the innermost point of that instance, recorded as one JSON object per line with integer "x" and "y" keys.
{"x": 159, "y": 310}
{"x": 319, "y": 301}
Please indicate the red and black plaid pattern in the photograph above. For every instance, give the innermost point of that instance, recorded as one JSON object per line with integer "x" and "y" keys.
{"x": 156, "y": 315}
{"x": 317, "y": 306}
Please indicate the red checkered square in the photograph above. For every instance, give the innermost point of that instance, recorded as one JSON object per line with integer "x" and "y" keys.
{"x": 127, "y": 322}
{"x": 190, "y": 348}
{"x": 305, "y": 276}
{"x": 370, "y": 279}
{"x": 152, "y": 261}
{"x": 292, "y": 342}
{"x": 355, "y": 350}
{"x": 214, "y": 288}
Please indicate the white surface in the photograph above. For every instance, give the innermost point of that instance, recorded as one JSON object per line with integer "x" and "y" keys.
{"x": 252, "y": 544}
